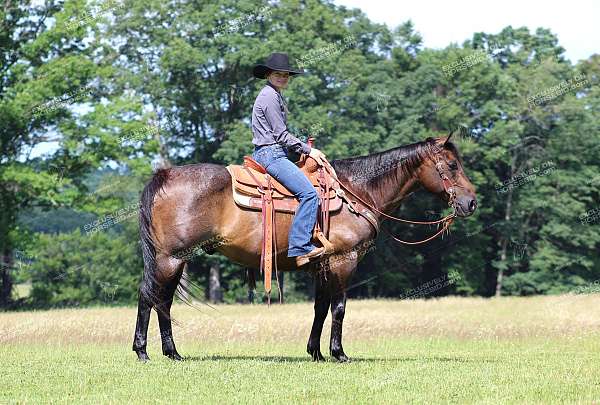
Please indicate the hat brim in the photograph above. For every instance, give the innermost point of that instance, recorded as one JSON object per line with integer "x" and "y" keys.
{"x": 260, "y": 71}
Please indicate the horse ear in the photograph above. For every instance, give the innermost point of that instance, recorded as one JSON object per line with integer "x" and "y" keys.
{"x": 448, "y": 138}
{"x": 462, "y": 130}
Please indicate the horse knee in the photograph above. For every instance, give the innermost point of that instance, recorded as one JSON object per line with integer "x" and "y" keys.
{"x": 338, "y": 310}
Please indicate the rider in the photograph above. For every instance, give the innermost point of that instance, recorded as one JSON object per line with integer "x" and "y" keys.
{"x": 272, "y": 140}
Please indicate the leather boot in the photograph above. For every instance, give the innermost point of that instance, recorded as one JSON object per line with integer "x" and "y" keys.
{"x": 313, "y": 254}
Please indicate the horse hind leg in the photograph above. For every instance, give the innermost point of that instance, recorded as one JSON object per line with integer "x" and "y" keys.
{"x": 171, "y": 270}
{"x": 140, "y": 338}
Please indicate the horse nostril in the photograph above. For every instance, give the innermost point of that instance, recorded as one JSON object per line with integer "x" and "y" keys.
{"x": 472, "y": 205}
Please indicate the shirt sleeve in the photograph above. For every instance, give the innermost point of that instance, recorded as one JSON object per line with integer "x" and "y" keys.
{"x": 274, "y": 116}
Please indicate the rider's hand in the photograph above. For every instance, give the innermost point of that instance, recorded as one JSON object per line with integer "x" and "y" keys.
{"x": 317, "y": 155}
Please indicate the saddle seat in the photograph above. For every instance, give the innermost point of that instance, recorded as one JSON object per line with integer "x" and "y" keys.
{"x": 255, "y": 189}
{"x": 248, "y": 180}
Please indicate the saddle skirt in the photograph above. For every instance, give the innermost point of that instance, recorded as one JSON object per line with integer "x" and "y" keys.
{"x": 247, "y": 179}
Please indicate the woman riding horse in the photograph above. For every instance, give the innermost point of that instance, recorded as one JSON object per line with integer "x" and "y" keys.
{"x": 183, "y": 208}
{"x": 271, "y": 139}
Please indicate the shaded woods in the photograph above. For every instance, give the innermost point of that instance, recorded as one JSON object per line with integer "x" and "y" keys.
{"x": 94, "y": 96}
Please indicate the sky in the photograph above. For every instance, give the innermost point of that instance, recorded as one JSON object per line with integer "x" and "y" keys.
{"x": 575, "y": 22}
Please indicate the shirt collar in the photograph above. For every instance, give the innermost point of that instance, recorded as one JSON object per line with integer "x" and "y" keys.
{"x": 271, "y": 85}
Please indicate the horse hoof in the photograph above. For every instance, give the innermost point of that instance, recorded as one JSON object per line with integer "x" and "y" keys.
{"x": 316, "y": 355}
{"x": 340, "y": 356}
{"x": 174, "y": 356}
{"x": 143, "y": 356}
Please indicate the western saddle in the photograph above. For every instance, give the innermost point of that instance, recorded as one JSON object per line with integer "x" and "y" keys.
{"x": 255, "y": 189}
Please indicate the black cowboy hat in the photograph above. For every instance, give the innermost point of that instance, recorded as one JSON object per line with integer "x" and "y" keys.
{"x": 275, "y": 61}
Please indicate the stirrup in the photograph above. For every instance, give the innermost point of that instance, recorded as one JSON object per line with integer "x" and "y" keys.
{"x": 326, "y": 244}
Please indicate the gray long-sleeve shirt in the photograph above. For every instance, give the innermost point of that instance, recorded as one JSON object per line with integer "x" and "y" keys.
{"x": 269, "y": 122}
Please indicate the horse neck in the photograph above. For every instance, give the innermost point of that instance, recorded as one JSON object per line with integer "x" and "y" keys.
{"x": 383, "y": 179}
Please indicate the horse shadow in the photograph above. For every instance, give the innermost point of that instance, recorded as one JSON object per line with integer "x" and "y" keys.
{"x": 308, "y": 359}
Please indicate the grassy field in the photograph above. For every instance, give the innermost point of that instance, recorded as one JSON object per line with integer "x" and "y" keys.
{"x": 450, "y": 350}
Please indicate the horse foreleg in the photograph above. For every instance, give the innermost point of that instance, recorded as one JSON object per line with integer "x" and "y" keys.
{"x": 322, "y": 300}
{"x": 338, "y": 308}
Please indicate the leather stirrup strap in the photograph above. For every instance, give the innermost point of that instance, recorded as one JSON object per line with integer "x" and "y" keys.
{"x": 268, "y": 238}
{"x": 266, "y": 255}
{"x": 274, "y": 222}
{"x": 271, "y": 237}
{"x": 264, "y": 241}
{"x": 322, "y": 224}
{"x": 326, "y": 205}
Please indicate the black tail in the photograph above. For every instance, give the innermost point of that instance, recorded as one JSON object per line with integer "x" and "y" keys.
{"x": 149, "y": 288}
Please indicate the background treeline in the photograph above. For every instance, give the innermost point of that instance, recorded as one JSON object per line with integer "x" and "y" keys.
{"x": 110, "y": 90}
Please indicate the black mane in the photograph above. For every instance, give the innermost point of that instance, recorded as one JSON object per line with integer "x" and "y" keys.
{"x": 410, "y": 156}
{"x": 377, "y": 170}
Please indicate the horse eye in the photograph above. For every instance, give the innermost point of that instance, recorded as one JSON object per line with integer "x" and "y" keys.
{"x": 453, "y": 165}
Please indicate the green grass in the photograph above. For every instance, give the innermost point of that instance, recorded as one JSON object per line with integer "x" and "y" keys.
{"x": 242, "y": 354}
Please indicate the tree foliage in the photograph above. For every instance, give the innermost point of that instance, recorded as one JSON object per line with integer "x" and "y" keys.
{"x": 119, "y": 86}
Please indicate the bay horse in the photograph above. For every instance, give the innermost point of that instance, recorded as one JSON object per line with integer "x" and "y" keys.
{"x": 184, "y": 206}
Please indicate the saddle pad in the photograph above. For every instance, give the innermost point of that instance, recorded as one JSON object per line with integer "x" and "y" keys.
{"x": 244, "y": 182}
{"x": 282, "y": 205}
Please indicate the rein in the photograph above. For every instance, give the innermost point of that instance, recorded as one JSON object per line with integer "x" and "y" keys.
{"x": 449, "y": 187}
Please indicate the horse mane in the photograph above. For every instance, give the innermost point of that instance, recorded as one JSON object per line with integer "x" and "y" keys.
{"x": 407, "y": 157}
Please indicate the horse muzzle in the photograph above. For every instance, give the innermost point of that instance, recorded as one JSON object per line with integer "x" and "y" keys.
{"x": 465, "y": 206}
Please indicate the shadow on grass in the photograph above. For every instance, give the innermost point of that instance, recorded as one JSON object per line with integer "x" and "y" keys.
{"x": 308, "y": 359}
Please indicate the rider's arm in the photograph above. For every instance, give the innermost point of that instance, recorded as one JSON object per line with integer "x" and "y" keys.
{"x": 275, "y": 117}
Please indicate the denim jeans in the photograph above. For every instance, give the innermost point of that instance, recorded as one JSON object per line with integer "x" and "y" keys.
{"x": 275, "y": 160}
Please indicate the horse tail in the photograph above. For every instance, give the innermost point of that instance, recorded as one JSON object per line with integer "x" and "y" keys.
{"x": 150, "y": 288}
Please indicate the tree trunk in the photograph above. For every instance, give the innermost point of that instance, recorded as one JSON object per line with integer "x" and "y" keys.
{"x": 163, "y": 154}
{"x": 251, "y": 279}
{"x": 5, "y": 279}
{"x": 281, "y": 285}
{"x": 500, "y": 275}
{"x": 214, "y": 284}
{"x": 504, "y": 240}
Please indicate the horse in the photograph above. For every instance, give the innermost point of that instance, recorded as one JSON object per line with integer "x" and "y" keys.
{"x": 183, "y": 206}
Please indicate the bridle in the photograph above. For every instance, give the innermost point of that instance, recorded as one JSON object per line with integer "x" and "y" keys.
{"x": 449, "y": 187}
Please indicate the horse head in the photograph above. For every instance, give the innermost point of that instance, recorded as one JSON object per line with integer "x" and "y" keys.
{"x": 442, "y": 173}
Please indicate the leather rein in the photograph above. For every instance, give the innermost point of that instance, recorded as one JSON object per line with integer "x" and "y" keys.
{"x": 449, "y": 188}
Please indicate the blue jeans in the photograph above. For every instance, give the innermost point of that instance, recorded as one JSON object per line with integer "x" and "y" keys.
{"x": 275, "y": 160}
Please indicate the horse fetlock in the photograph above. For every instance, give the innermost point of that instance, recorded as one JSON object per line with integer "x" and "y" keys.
{"x": 173, "y": 355}
{"x": 168, "y": 348}
{"x": 142, "y": 355}
{"x": 314, "y": 349}
{"x": 139, "y": 343}
{"x": 338, "y": 354}
{"x": 316, "y": 354}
